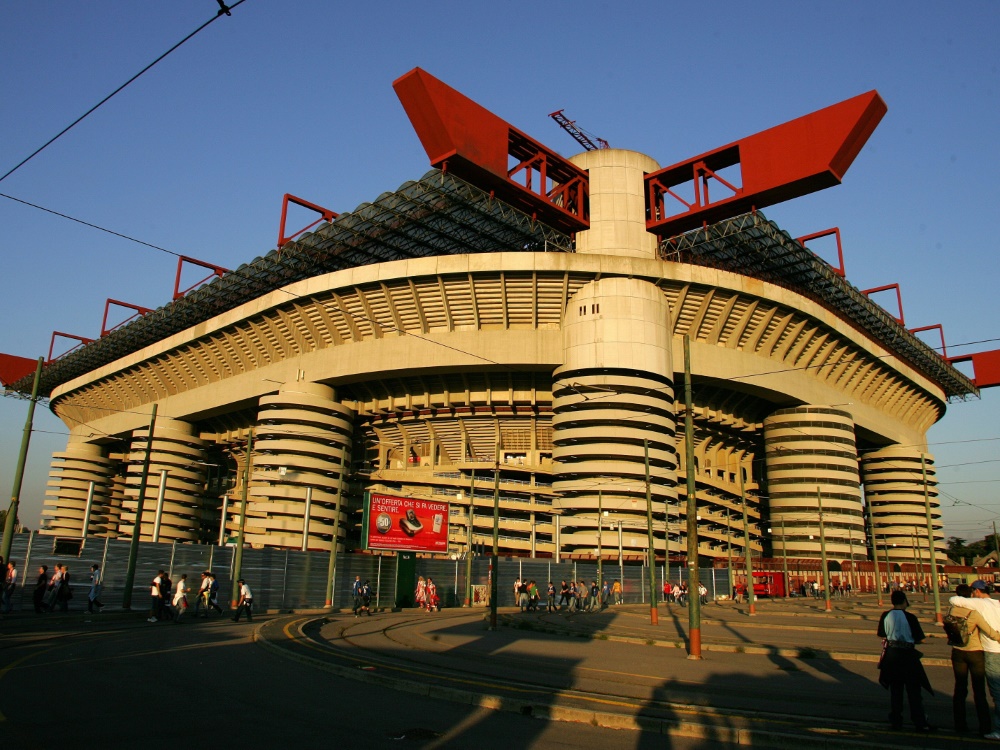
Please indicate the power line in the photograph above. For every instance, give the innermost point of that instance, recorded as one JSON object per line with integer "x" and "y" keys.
{"x": 223, "y": 10}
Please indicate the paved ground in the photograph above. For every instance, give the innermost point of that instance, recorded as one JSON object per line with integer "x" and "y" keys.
{"x": 789, "y": 676}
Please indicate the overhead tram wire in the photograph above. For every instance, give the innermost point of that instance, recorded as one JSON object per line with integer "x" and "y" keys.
{"x": 223, "y": 10}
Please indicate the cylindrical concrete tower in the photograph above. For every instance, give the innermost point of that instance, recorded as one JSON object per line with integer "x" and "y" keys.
{"x": 177, "y": 450}
{"x": 303, "y": 441}
{"x": 73, "y": 470}
{"x": 895, "y": 491}
{"x": 810, "y": 452}
{"x": 614, "y": 390}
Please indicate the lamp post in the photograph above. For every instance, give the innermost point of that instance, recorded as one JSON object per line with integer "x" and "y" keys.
{"x": 930, "y": 544}
{"x": 751, "y": 596}
{"x": 784, "y": 557}
{"x": 822, "y": 548}
{"x": 871, "y": 532}
{"x": 241, "y": 531}
{"x": 694, "y": 608}
{"x": 468, "y": 554}
{"x": 331, "y": 567}
{"x": 133, "y": 549}
{"x": 654, "y": 617}
{"x": 600, "y": 550}
{"x": 10, "y": 522}
{"x": 495, "y": 557}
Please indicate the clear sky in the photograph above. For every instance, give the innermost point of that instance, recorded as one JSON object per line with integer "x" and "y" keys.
{"x": 296, "y": 96}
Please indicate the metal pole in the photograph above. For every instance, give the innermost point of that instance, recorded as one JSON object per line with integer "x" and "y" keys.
{"x": 331, "y": 567}
{"x": 919, "y": 564}
{"x": 378, "y": 583}
{"x": 871, "y": 531}
{"x": 888, "y": 565}
{"x": 694, "y": 583}
{"x": 600, "y": 549}
{"x": 621, "y": 558}
{"x": 729, "y": 550}
{"x": 555, "y": 521}
{"x": 133, "y": 550}
{"x": 930, "y": 545}
{"x": 654, "y": 615}
{"x": 173, "y": 552}
{"x": 495, "y": 557}
{"x": 222, "y": 525}
{"x": 822, "y": 549}
{"x": 160, "y": 494}
{"x": 850, "y": 540}
{"x": 305, "y": 520}
{"x": 751, "y": 595}
{"x": 996, "y": 543}
{"x": 86, "y": 514}
{"x": 784, "y": 557}
{"x": 240, "y": 534}
{"x": 468, "y": 553}
{"x": 10, "y": 523}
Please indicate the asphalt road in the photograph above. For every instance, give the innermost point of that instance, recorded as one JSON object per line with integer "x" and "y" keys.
{"x": 116, "y": 681}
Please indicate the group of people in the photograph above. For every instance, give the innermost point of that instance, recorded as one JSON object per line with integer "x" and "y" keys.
{"x": 678, "y": 593}
{"x": 973, "y": 629}
{"x": 362, "y": 593}
{"x": 578, "y": 596}
{"x": 171, "y": 603}
{"x": 426, "y": 596}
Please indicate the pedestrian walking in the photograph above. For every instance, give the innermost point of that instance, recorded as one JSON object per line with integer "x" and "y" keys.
{"x": 204, "y": 593}
{"x": 366, "y": 597}
{"x": 433, "y": 600}
{"x": 702, "y": 593}
{"x": 616, "y": 591}
{"x": 550, "y": 597}
{"x": 356, "y": 593}
{"x": 563, "y": 595}
{"x": 52, "y": 593}
{"x": 156, "y": 599}
{"x": 420, "y": 596}
{"x": 9, "y": 586}
{"x": 245, "y": 603}
{"x": 41, "y": 588}
{"x": 96, "y": 584}
{"x": 981, "y": 602}
{"x": 180, "y": 598}
{"x": 900, "y": 668}
{"x": 213, "y": 594}
{"x": 964, "y": 626}
{"x": 64, "y": 592}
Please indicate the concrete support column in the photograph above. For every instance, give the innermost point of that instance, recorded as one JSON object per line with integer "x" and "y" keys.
{"x": 614, "y": 390}
{"x": 806, "y": 448}
{"x": 302, "y": 440}
{"x": 180, "y": 452}
{"x": 69, "y": 484}
{"x": 894, "y": 489}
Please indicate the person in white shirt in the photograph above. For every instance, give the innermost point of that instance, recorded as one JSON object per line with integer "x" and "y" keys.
{"x": 10, "y": 583}
{"x": 990, "y": 610}
{"x": 245, "y": 603}
{"x": 96, "y": 584}
{"x": 181, "y": 598}
{"x": 156, "y": 607}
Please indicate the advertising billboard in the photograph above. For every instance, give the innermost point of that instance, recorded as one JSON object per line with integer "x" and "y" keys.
{"x": 405, "y": 523}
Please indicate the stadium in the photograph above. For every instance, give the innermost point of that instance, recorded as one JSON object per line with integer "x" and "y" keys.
{"x": 512, "y": 324}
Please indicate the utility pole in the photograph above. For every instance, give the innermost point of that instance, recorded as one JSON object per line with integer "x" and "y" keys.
{"x": 238, "y": 561}
{"x": 784, "y": 557}
{"x": 694, "y": 584}
{"x": 600, "y": 549}
{"x": 871, "y": 531}
{"x": 331, "y": 567}
{"x": 495, "y": 558}
{"x": 930, "y": 544}
{"x": 133, "y": 549}
{"x": 751, "y": 596}
{"x": 822, "y": 549}
{"x": 468, "y": 553}
{"x": 918, "y": 559}
{"x": 654, "y": 616}
{"x": 10, "y": 522}
{"x": 996, "y": 542}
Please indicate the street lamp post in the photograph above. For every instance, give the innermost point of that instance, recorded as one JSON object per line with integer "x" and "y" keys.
{"x": 751, "y": 595}
{"x": 694, "y": 584}
{"x": 10, "y": 522}
{"x": 241, "y": 531}
{"x": 654, "y": 617}
{"x": 600, "y": 550}
{"x": 871, "y": 532}
{"x": 930, "y": 544}
{"x": 133, "y": 549}
{"x": 495, "y": 557}
{"x": 822, "y": 549}
{"x": 784, "y": 557}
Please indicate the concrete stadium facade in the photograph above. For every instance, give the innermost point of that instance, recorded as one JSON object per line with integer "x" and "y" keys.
{"x": 552, "y": 373}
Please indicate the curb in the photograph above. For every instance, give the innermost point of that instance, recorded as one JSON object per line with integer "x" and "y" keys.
{"x": 793, "y": 653}
{"x": 742, "y": 736}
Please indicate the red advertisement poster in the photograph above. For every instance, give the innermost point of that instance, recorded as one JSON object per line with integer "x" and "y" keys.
{"x": 406, "y": 523}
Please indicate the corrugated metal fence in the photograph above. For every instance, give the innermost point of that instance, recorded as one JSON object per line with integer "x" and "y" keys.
{"x": 286, "y": 579}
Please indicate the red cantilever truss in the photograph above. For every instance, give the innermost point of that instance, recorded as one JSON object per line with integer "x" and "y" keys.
{"x": 797, "y": 158}
{"x": 985, "y": 367}
{"x": 325, "y": 214}
{"x": 216, "y": 271}
{"x": 469, "y": 141}
{"x": 138, "y": 310}
{"x": 82, "y": 341}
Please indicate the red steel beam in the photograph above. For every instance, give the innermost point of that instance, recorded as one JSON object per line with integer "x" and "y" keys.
{"x": 840, "y": 248}
{"x": 13, "y": 368}
{"x": 940, "y": 329}
{"x": 216, "y": 271}
{"x": 325, "y": 214}
{"x": 467, "y": 140}
{"x": 83, "y": 341}
{"x": 139, "y": 310}
{"x": 799, "y": 157}
{"x": 985, "y": 367}
{"x": 899, "y": 298}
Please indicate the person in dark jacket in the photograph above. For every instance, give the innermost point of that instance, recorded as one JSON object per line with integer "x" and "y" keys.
{"x": 41, "y": 587}
{"x": 900, "y": 668}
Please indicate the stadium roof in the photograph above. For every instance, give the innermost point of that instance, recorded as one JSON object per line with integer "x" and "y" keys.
{"x": 443, "y": 215}
{"x": 751, "y": 245}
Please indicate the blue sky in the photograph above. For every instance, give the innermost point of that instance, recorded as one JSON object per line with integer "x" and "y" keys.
{"x": 296, "y": 97}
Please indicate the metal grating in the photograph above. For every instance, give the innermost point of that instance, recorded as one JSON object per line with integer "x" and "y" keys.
{"x": 751, "y": 245}
{"x": 437, "y": 215}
